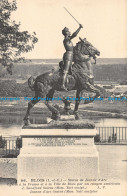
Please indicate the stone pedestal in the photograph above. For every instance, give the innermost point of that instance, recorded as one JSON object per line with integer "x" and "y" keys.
{"x": 58, "y": 154}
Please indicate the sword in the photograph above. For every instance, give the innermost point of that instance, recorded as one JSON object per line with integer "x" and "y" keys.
{"x": 71, "y": 15}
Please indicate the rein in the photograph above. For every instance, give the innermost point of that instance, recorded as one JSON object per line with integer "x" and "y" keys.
{"x": 80, "y": 48}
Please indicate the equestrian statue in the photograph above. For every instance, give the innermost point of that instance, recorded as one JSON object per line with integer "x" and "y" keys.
{"x": 75, "y": 73}
{"x": 79, "y": 78}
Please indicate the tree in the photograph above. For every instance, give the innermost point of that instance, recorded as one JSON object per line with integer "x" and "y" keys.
{"x": 13, "y": 42}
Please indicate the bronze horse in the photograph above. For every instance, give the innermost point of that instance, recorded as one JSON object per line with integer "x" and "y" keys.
{"x": 47, "y": 83}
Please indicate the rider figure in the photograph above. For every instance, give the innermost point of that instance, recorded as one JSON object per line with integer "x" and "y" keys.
{"x": 68, "y": 55}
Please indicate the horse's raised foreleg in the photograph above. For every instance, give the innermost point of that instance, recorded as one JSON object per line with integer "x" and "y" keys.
{"x": 53, "y": 109}
{"x": 30, "y": 106}
{"x": 77, "y": 102}
{"x": 91, "y": 88}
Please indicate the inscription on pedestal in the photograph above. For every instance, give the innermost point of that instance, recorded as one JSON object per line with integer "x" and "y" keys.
{"x": 58, "y": 141}
{"x": 62, "y": 153}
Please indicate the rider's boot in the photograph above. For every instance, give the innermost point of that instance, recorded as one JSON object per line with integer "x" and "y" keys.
{"x": 67, "y": 65}
{"x": 63, "y": 81}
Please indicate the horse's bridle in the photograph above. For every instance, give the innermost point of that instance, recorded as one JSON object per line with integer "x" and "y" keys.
{"x": 88, "y": 49}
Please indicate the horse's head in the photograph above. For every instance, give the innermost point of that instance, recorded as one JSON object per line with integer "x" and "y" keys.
{"x": 86, "y": 48}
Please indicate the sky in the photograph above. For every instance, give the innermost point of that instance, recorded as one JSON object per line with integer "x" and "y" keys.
{"x": 104, "y": 25}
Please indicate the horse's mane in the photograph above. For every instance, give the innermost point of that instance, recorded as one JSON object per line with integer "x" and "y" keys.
{"x": 84, "y": 47}
{"x": 80, "y": 43}
{"x": 77, "y": 48}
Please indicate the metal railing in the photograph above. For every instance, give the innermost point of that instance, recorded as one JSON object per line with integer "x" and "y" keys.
{"x": 10, "y": 146}
{"x": 112, "y": 134}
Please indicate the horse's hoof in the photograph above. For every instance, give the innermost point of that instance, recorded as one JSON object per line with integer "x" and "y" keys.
{"x": 55, "y": 116}
{"x": 77, "y": 116}
{"x": 27, "y": 122}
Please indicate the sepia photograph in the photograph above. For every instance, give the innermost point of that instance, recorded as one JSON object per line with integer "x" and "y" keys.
{"x": 63, "y": 97}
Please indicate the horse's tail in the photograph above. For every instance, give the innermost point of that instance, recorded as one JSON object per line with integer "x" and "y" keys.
{"x": 31, "y": 82}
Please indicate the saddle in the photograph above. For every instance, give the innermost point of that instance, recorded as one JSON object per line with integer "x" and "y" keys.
{"x": 61, "y": 68}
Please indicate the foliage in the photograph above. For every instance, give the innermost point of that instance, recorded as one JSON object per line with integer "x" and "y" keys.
{"x": 2, "y": 142}
{"x": 110, "y": 72}
{"x": 13, "y": 42}
{"x": 9, "y": 88}
{"x": 97, "y": 138}
{"x": 19, "y": 143}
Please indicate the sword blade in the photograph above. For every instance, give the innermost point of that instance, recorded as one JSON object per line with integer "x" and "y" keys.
{"x": 71, "y": 15}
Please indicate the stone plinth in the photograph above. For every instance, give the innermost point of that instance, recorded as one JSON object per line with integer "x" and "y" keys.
{"x": 66, "y": 122}
{"x": 58, "y": 153}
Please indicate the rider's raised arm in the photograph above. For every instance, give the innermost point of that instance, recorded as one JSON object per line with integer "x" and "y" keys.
{"x": 76, "y": 32}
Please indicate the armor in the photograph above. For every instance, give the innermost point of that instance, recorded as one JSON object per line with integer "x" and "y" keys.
{"x": 68, "y": 55}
